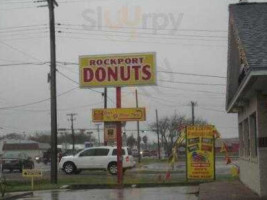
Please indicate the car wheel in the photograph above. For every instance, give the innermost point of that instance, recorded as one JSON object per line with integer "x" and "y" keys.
{"x": 112, "y": 168}
{"x": 69, "y": 168}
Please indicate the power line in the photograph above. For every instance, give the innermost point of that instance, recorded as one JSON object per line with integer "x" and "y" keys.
{"x": 142, "y": 28}
{"x": 21, "y": 64}
{"x": 20, "y": 51}
{"x": 169, "y": 72}
{"x": 36, "y": 102}
{"x": 25, "y": 26}
{"x": 70, "y": 79}
{"x": 139, "y": 41}
{"x": 211, "y": 92}
{"x": 210, "y": 109}
{"x": 144, "y": 33}
{"x": 191, "y": 74}
{"x": 141, "y": 36}
{"x": 192, "y": 83}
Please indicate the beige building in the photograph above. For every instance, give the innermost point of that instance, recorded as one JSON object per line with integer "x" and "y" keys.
{"x": 247, "y": 89}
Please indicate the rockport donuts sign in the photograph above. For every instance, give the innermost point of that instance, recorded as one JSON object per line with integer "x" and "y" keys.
{"x": 117, "y": 70}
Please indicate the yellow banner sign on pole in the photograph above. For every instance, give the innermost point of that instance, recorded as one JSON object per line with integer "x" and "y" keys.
{"x": 200, "y": 161}
{"x": 118, "y": 114}
{"x": 117, "y": 70}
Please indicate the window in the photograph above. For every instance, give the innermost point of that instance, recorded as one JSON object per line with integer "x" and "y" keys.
{"x": 89, "y": 152}
{"x": 101, "y": 152}
{"x": 129, "y": 151}
{"x": 253, "y": 134}
{"x": 114, "y": 153}
{"x": 246, "y": 138}
{"x": 241, "y": 138}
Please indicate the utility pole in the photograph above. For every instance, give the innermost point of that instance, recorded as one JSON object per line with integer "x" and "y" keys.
{"x": 157, "y": 119}
{"x": 53, "y": 92}
{"x": 193, "y": 104}
{"x": 71, "y": 115}
{"x": 98, "y": 132}
{"x": 138, "y": 132}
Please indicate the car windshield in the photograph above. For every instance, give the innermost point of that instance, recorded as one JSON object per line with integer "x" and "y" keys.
{"x": 11, "y": 155}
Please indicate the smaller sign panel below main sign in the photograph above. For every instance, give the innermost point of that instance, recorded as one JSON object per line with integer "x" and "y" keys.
{"x": 119, "y": 114}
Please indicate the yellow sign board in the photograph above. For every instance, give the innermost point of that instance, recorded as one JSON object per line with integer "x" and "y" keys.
{"x": 31, "y": 173}
{"x": 117, "y": 70}
{"x": 119, "y": 114}
{"x": 200, "y": 160}
{"x": 110, "y": 133}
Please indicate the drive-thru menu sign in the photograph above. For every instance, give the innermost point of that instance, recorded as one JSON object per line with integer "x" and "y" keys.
{"x": 200, "y": 152}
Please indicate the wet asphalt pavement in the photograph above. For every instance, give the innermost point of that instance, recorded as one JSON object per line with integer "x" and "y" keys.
{"x": 158, "y": 193}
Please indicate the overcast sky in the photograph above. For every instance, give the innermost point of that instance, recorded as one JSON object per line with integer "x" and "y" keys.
{"x": 188, "y": 37}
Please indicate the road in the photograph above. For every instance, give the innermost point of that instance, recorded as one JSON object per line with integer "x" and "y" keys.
{"x": 170, "y": 193}
{"x": 148, "y": 170}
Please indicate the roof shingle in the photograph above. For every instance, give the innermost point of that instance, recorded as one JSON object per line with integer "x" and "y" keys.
{"x": 250, "y": 20}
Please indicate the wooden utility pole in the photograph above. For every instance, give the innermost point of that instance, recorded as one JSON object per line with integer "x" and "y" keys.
{"x": 53, "y": 92}
{"x": 193, "y": 104}
{"x": 138, "y": 130}
{"x": 71, "y": 119}
{"x": 157, "y": 119}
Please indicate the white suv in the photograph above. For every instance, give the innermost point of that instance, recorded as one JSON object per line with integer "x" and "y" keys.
{"x": 96, "y": 158}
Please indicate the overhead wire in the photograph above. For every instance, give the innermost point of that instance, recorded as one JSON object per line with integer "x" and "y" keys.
{"x": 142, "y": 28}
{"x": 193, "y": 83}
{"x": 137, "y": 34}
{"x": 119, "y": 35}
{"x": 139, "y": 41}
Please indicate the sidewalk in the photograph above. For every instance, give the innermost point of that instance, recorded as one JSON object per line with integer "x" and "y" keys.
{"x": 233, "y": 190}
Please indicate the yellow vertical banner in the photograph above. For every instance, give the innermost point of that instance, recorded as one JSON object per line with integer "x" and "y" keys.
{"x": 200, "y": 161}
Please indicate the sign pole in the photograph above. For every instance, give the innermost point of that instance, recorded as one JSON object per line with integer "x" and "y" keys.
{"x": 32, "y": 182}
{"x": 119, "y": 140}
{"x": 138, "y": 132}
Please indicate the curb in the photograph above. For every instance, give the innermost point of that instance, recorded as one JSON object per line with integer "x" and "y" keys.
{"x": 16, "y": 196}
{"x": 114, "y": 186}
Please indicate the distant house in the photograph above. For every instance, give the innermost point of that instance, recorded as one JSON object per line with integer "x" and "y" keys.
{"x": 32, "y": 149}
{"x": 247, "y": 89}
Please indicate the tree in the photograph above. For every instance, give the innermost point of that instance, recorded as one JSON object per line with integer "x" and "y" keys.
{"x": 131, "y": 141}
{"x": 15, "y": 136}
{"x": 65, "y": 137}
{"x": 170, "y": 129}
{"x": 145, "y": 139}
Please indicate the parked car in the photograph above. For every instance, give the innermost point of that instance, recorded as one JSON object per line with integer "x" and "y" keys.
{"x": 146, "y": 153}
{"x": 153, "y": 153}
{"x": 134, "y": 152}
{"x": 16, "y": 161}
{"x": 96, "y": 158}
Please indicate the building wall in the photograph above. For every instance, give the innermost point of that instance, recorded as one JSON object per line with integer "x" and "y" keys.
{"x": 249, "y": 166}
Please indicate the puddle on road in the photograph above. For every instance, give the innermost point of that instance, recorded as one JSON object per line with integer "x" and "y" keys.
{"x": 160, "y": 193}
